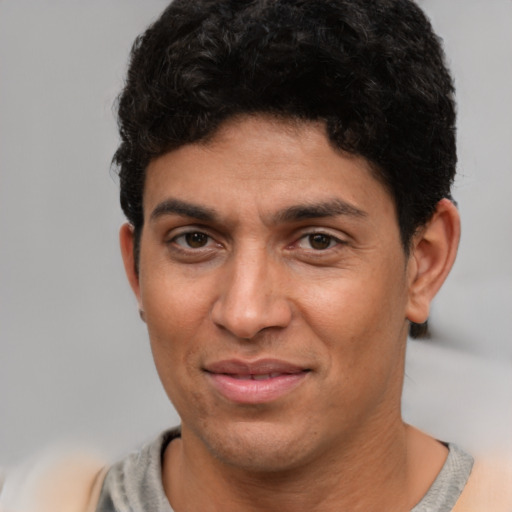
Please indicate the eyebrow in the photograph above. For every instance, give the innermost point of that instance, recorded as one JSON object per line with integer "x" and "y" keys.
{"x": 330, "y": 208}
{"x": 293, "y": 213}
{"x": 183, "y": 208}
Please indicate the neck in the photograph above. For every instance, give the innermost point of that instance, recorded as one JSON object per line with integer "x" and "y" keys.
{"x": 377, "y": 470}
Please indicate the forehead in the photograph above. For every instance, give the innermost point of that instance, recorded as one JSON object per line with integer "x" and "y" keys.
{"x": 264, "y": 163}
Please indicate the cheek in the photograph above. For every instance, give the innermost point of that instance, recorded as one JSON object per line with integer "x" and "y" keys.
{"x": 349, "y": 307}
{"x": 360, "y": 318}
{"x": 362, "y": 337}
{"x": 175, "y": 336}
{"x": 175, "y": 308}
{"x": 175, "y": 315}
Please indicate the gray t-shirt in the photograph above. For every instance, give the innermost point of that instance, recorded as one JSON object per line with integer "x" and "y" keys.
{"x": 135, "y": 483}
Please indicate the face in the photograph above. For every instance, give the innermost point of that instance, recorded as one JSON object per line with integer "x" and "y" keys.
{"x": 274, "y": 287}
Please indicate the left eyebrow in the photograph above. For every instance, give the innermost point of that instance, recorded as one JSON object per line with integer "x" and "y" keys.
{"x": 332, "y": 208}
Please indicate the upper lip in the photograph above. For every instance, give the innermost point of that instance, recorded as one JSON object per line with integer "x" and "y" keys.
{"x": 259, "y": 367}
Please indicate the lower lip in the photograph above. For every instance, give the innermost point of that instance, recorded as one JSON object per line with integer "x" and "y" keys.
{"x": 256, "y": 391}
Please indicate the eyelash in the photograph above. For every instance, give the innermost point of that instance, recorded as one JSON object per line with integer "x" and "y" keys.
{"x": 186, "y": 246}
{"x": 332, "y": 241}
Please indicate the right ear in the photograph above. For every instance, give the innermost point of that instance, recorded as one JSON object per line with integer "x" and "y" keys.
{"x": 127, "y": 242}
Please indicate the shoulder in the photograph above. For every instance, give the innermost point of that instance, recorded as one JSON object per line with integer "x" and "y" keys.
{"x": 489, "y": 487}
{"x": 53, "y": 483}
{"x": 135, "y": 482}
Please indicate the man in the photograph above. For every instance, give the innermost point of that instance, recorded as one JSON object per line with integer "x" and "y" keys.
{"x": 285, "y": 169}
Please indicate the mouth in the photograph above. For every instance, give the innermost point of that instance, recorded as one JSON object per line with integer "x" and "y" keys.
{"x": 256, "y": 382}
{"x": 264, "y": 376}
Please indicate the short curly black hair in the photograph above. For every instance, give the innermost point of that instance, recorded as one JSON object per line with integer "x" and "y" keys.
{"x": 372, "y": 70}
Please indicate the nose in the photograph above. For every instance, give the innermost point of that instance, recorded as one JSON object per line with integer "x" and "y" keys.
{"x": 252, "y": 297}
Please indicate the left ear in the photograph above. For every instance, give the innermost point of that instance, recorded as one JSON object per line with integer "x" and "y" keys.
{"x": 432, "y": 256}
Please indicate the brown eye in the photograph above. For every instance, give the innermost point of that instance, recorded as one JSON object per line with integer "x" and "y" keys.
{"x": 196, "y": 240}
{"x": 319, "y": 241}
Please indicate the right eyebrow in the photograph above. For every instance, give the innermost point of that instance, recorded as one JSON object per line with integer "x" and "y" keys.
{"x": 184, "y": 209}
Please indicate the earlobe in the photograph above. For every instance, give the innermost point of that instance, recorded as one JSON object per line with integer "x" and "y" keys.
{"x": 432, "y": 256}
{"x": 126, "y": 241}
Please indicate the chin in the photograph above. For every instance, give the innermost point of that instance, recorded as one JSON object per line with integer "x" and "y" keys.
{"x": 259, "y": 447}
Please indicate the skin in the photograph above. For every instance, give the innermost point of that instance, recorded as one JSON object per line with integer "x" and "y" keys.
{"x": 266, "y": 242}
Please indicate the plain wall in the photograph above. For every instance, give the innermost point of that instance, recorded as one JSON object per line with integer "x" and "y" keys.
{"x": 75, "y": 362}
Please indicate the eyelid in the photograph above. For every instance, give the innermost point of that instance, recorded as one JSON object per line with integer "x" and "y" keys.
{"x": 338, "y": 237}
{"x": 183, "y": 236}
{"x": 183, "y": 231}
{"x": 333, "y": 242}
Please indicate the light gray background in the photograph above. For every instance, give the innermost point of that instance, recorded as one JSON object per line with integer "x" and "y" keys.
{"x": 74, "y": 358}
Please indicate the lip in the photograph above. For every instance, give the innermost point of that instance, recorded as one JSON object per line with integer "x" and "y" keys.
{"x": 255, "y": 382}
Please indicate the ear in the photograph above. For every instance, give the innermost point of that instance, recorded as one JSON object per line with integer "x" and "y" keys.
{"x": 126, "y": 240}
{"x": 432, "y": 256}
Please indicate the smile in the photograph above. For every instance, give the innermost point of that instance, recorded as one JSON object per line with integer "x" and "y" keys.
{"x": 254, "y": 383}
{"x": 257, "y": 377}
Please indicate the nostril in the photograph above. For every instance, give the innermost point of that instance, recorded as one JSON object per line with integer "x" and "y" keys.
{"x": 249, "y": 300}
{"x": 246, "y": 324}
